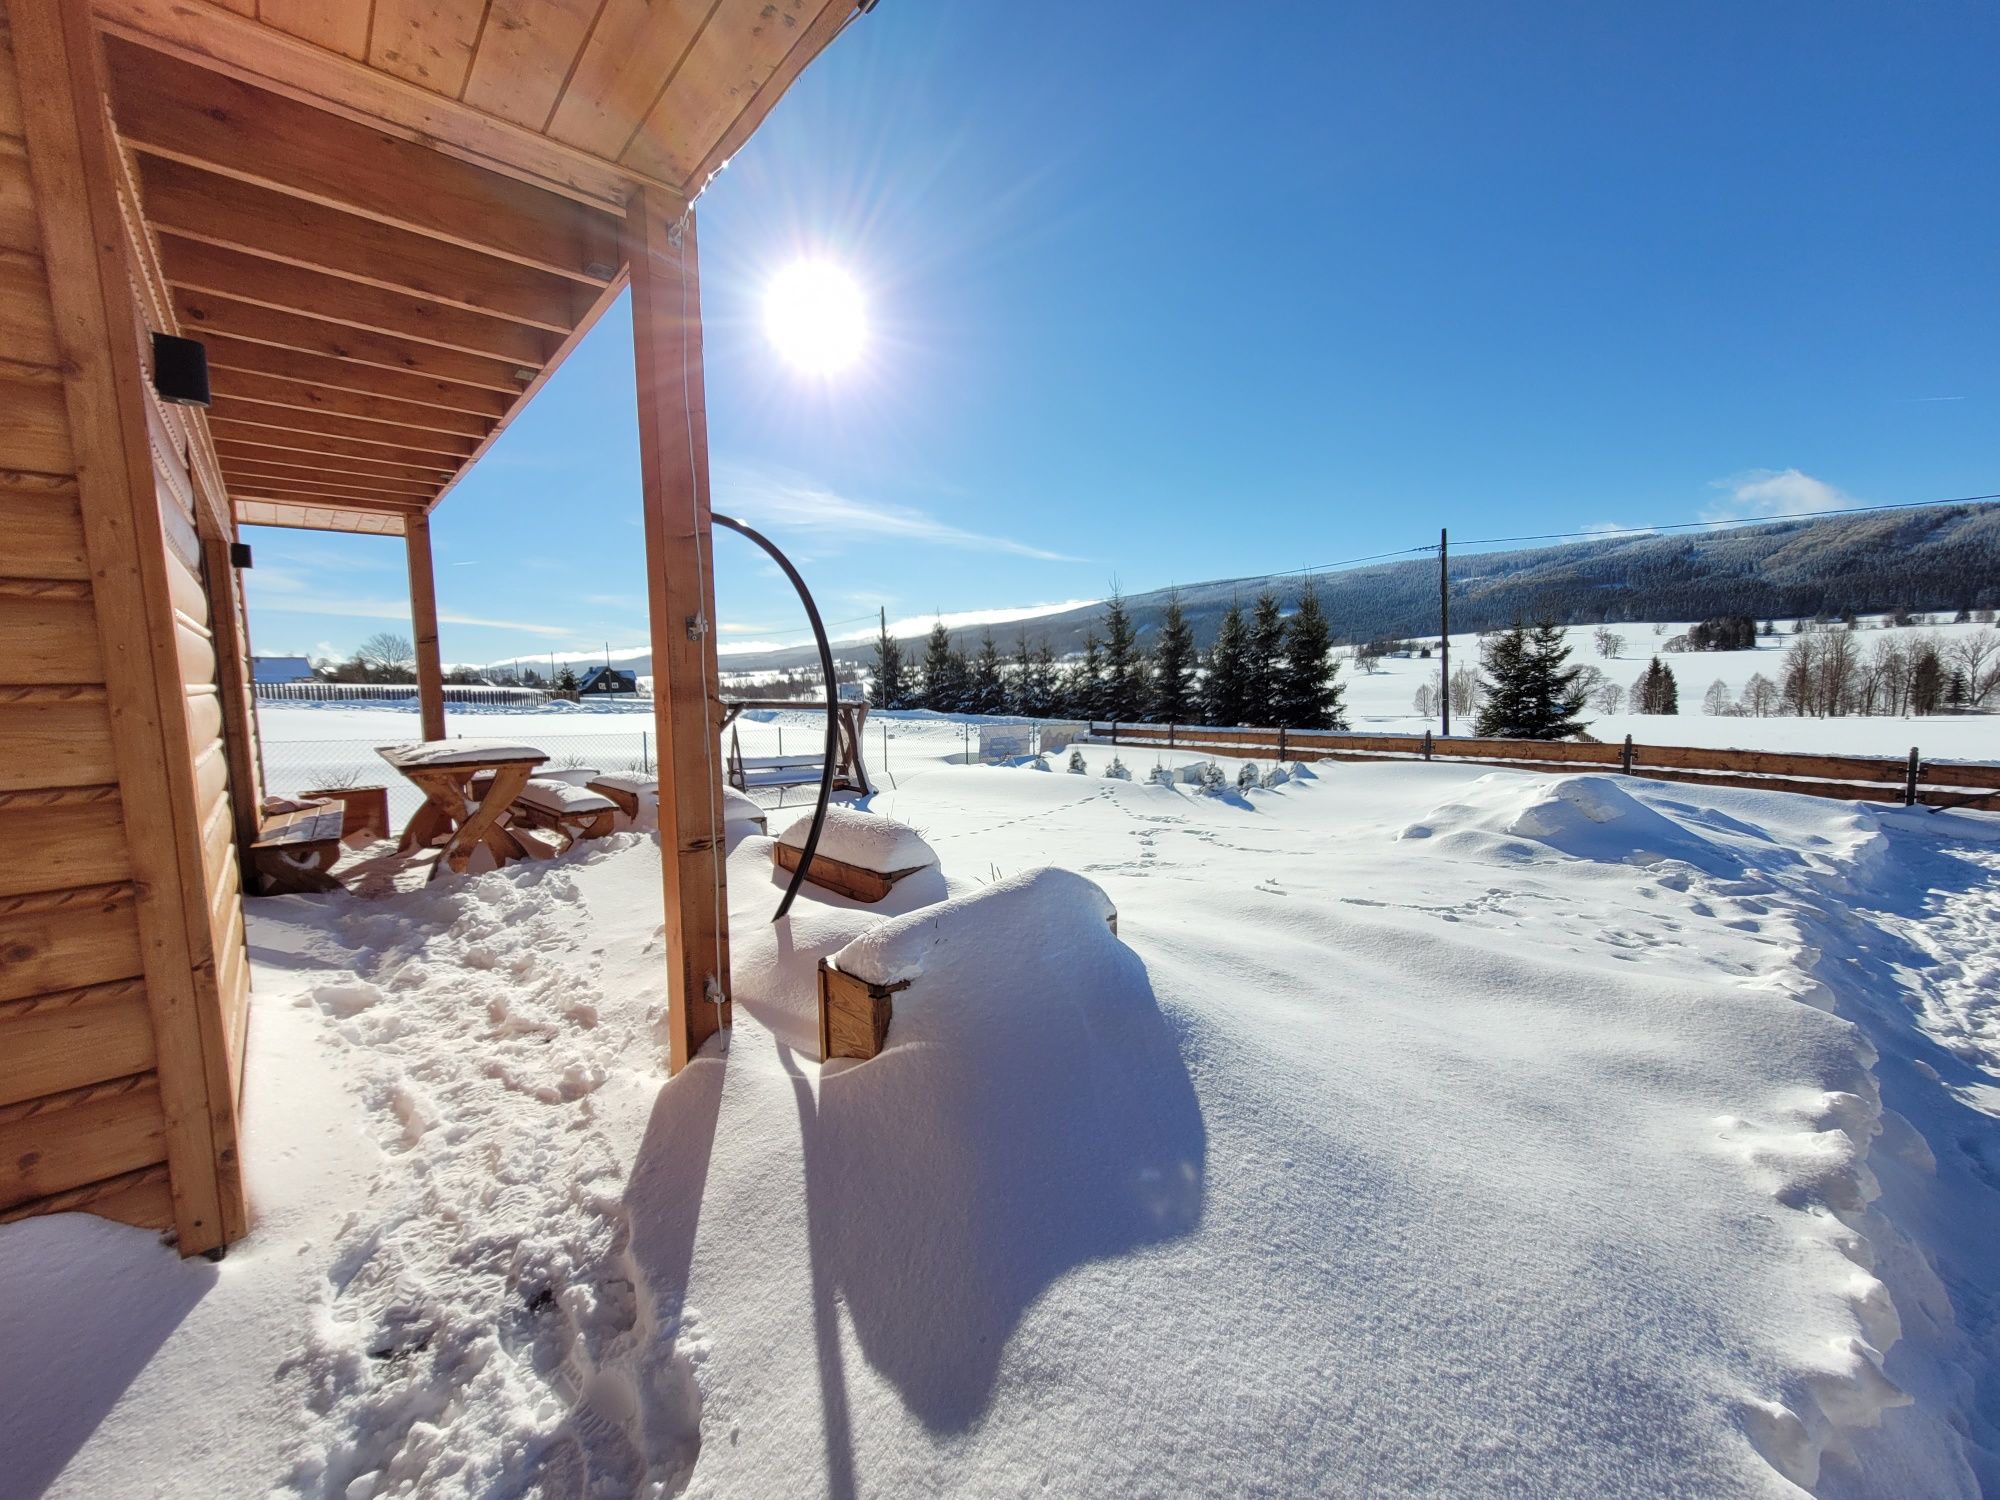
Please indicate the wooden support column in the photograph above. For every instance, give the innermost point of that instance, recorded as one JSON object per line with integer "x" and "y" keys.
{"x": 424, "y": 621}
{"x": 687, "y": 698}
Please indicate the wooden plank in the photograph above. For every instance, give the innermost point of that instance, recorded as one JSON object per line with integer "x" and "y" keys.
{"x": 275, "y": 391}
{"x": 143, "y": 1197}
{"x": 54, "y": 737}
{"x": 27, "y": 325}
{"x": 10, "y": 94}
{"x": 634, "y": 48}
{"x": 525, "y": 55}
{"x": 44, "y": 534}
{"x": 84, "y": 1135}
{"x": 216, "y": 210}
{"x": 308, "y": 447}
{"x": 17, "y": 203}
{"x": 48, "y": 637}
{"x": 739, "y": 48}
{"x": 234, "y": 702}
{"x": 249, "y": 488}
{"x": 67, "y": 940}
{"x": 35, "y": 434}
{"x": 343, "y": 375}
{"x": 318, "y": 481}
{"x": 1944, "y": 773}
{"x": 814, "y": 38}
{"x": 424, "y": 625}
{"x": 246, "y": 278}
{"x": 258, "y": 458}
{"x": 246, "y": 409}
{"x": 200, "y": 313}
{"x": 673, "y": 467}
{"x": 428, "y": 42}
{"x": 308, "y": 517}
{"x": 1821, "y": 767}
{"x": 47, "y": 846}
{"x": 74, "y": 163}
{"x": 173, "y": 109}
{"x": 337, "y": 25}
{"x": 53, "y": 1043}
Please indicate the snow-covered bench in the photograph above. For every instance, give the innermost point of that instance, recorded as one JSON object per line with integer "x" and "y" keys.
{"x": 563, "y": 808}
{"x": 747, "y": 771}
{"x": 860, "y": 855}
{"x": 297, "y": 846}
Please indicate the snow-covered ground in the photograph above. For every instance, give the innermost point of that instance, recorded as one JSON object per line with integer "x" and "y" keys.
{"x": 1383, "y": 701}
{"x": 1421, "y": 1132}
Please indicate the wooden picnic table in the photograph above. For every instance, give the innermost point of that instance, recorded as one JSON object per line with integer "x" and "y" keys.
{"x": 443, "y": 771}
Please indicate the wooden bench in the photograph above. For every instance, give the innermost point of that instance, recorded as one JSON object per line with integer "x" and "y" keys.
{"x": 296, "y": 851}
{"x": 563, "y": 808}
{"x": 747, "y": 771}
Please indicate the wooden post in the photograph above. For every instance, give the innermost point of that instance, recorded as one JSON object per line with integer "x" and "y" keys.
{"x": 1444, "y": 633}
{"x": 687, "y": 707}
{"x": 1625, "y": 757}
{"x": 1427, "y": 744}
{"x": 1910, "y": 782}
{"x": 424, "y": 620}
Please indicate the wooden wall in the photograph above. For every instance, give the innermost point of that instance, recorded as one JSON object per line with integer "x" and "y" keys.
{"x": 123, "y": 975}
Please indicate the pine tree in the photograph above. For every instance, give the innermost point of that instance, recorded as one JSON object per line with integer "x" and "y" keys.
{"x": 1263, "y": 660}
{"x": 1123, "y": 698}
{"x": 1532, "y": 694}
{"x": 1173, "y": 696}
{"x": 1083, "y": 685}
{"x": 1222, "y": 692}
{"x": 1657, "y": 691}
{"x": 1047, "y": 684}
{"x": 889, "y": 686}
{"x": 985, "y": 692}
{"x": 937, "y": 679}
{"x": 1021, "y": 686}
{"x": 1308, "y": 687}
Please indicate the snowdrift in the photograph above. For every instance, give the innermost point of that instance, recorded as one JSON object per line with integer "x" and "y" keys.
{"x": 867, "y": 840}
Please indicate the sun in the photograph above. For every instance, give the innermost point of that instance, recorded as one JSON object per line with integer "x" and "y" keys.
{"x": 814, "y": 315}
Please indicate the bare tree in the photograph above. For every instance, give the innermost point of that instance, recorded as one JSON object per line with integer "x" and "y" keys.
{"x": 1465, "y": 692}
{"x": 1426, "y": 701}
{"x": 1609, "y": 642}
{"x": 387, "y": 651}
{"x": 1760, "y": 696}
{"x": 1610, "y": 697}
{"x": 1718, "y": 699}
{"x": 1970, "y": 654}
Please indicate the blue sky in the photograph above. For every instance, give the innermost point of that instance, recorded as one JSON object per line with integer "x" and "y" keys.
{"x": 1246, "y": 289}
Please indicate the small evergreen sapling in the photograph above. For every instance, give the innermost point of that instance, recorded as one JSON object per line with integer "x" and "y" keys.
{"x": 1076, "y": 765}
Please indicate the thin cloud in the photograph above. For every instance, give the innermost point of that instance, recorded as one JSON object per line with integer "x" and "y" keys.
{"x": 1913, "y": 399}
{"x": 393, "y": 609}
{"x": 767, "y": 497}
{"x": 1763, "y": 494}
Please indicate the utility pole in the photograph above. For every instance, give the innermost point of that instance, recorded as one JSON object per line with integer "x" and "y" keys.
{"x": 1444, "y": 629}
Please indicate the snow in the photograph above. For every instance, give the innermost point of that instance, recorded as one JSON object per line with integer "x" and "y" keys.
{"x": 1605, "y": 1138}
{"x": 550, "y": 795}
{"x": 958, "y": 942}
{"x": 420, "y": 754}
{"x": 866, "y": 840}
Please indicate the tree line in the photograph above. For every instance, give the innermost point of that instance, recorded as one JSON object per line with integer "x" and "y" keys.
{"x": 1265, "y": 667}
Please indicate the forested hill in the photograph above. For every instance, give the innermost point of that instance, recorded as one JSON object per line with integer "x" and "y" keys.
{"x": 1939, "y": 558}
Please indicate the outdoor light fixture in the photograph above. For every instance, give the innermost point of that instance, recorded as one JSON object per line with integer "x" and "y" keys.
{"x": 239, "y": 554}
{"x": 180, "y": 370}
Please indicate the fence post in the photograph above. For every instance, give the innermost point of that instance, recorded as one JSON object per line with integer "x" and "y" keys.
{"x": 645, "y": 755}
{"x": 1625, "y": 757}
{"x": 1114, "y": 732}
{"x": 1427, "y": 744}
{"x": 1281, "y": 742}
{"x": 1910, "y": 785}
{"x": 1170, "y": 736}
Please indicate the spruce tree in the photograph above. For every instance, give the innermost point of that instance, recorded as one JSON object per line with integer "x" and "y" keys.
{"x": 1083, "y": 689}
{"x": 1222, "y": 692}
{"x": 937, "y": 676}
{"x": 1047, "y": 683}
{"x": 1656, "y": 691}
{"x": 889, "y": 688}
{"x": 1263, "y": 660}
{"x": 985, "y": 692}
{"x": 1172, "y": 689}
{"x": 1308, "y": 689}
{"x": 1021, "y": 686}
{"x": 1122, "y": 697}
{"x": 1531, "y": 692}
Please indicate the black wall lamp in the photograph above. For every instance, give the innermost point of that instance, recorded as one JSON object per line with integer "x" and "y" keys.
{"x": 180, "y": 370}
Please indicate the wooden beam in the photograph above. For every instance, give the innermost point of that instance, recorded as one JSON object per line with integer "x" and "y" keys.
{"x": 232, "y": 681}
{"x": 173, "y": 109}
{"x": 226, "y": 353}
{"x": 362, "y": 470}
{"x": 265, "y": 486}
{"x": 230, "y": 273}
{"x": 313, "y": 444}
{"x": 673, "y": 470}
{"x": 72, "y": 161}
{"x": 353, "y": 429}
{"x": 196, "y": 205}
{"x": 276, "y": 390}
{"x": 415, "y": 491}
{"x": 201, "y": 314}
{"x": 303, "y": 495}
{"x": 204, "y": 33}
{"x": 424, "y": 620}
{"x": 817, "y": 36}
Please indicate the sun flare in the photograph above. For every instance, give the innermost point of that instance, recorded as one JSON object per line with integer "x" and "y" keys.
{"x": 814, "y": 316}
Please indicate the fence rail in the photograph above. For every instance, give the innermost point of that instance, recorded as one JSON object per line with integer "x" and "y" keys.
{"x": 393, "y": 692}
{"x": 1910, "y": 780}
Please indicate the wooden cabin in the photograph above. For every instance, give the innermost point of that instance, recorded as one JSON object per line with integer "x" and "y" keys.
{"x": 386, "y": 224}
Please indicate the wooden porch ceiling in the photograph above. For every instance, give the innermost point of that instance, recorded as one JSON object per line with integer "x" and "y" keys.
{"x": 389, "y": 223}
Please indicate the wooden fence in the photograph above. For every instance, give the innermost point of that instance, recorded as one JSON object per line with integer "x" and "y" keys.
{"x": 1907, "y": 780}
{"x": 399, "y": 692}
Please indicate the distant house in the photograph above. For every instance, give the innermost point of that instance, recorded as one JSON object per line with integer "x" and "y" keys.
{"x": 280, "y": 669}
{"x": 605, "y": 680}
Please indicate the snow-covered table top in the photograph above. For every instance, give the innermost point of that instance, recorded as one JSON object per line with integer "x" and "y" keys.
{"x": 438, "y": 754}
{"x": 550, "y": 795}
{"x": 865, "y": 840}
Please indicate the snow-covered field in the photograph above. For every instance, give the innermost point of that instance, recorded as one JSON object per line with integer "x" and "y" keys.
{"x": 1421, "y": 1133}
